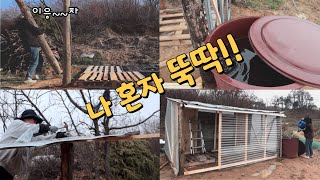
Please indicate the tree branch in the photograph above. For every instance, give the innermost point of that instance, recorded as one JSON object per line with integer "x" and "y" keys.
{"x": 123, "y": 127}
{"x": 35, "y": 106}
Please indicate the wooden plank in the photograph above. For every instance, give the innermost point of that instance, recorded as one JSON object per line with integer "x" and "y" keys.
{"x": 66, "y": 161}
{"x": 170, "y": 10}
{"x": 171, "y": 15}
{"x": 128, "y": 78}
{"x": 112, "y": 69}
{"x": 246, "y": 138}
{"x": 264, "y": 119}
{"x": 100, "y": 74}
{"x": 105, "y": 73}
{"x": 121, "y": 78}
{"x": 139, "y": 75}
{"x": 175, "y": 37}
{"x": 133, "y": 76}
{"x": 215, "y": 131}
{"x": 175, "y": 43}
{"x": 227, "y": 166}
{"x": 219, "y": 139}
{"x": 173, "y": 28}
{"x": 171, "y": 21}
{"x": 113, "y": 76}
{"x": 86, "y": 73}
{"x": 181, "y": 141}
{"x": 118, "y": 69}
{"x": 94, "y": 73}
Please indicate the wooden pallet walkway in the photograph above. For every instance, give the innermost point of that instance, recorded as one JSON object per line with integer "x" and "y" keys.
{"x": 107, "y": 76}
{"x": 173, "y": 28}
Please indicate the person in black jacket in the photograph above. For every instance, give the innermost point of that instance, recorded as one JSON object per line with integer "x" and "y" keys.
{"x": 27, "y": 128}
{"x": 31, "y": 43}
{"x": 308, "y": 134}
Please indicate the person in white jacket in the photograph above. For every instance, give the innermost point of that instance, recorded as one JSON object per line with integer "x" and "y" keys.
{"x": 26, "y": 128}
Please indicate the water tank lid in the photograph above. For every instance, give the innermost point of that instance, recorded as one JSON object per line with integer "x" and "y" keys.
{"x": 289, "y": 45}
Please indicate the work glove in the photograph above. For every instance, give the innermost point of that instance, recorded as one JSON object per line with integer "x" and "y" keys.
{"x": 53, "y": 129}
{"x": 62, "y": 135}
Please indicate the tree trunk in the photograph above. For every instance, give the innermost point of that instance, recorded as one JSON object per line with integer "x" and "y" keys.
{"x": 43, "y": 42}
{"x": 194, "y": 15}
{"x": 67, "y": 46}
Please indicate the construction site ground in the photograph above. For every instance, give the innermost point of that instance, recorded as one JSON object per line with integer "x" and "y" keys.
{"x": 295, "y": 169}
{"x": 109, "y": 48}
{"x": 306, "y": 9}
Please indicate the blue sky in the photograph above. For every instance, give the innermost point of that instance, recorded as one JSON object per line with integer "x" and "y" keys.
{"x": 8, "y": 3}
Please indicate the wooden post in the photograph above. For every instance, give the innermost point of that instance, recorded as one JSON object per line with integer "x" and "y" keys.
{"x": 215, "y": 131}
{"x": 67, "y": 45}
{"x": 219, "y": 140}
{"x": 43, "y": 42}
{"x": 264, "y": 119}
{"x": 280, "y": 119}
{"x": 236, "y": 133}
{"x": 181, "y": 141}
{"x": 246, "y": 139}
{"x": 66, "y": 161}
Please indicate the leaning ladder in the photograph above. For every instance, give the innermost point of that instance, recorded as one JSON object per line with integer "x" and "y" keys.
{"x": 193, "y": 138}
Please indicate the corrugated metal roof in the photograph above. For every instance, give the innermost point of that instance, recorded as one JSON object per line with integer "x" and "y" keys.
{"x": 62, "y": 140}
{"x": 212, "y": 107}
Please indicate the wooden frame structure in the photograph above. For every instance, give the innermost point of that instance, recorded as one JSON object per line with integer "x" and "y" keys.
{"x": 173, "y": 28}
{"x": 107, "y": 76}
{"x": 235, "y": 136}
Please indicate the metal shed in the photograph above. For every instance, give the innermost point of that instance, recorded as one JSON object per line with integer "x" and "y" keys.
{"x": 202, "y": 137}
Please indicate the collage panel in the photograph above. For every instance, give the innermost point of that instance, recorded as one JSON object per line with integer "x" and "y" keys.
{"x": 78, "y": 43}
{"x": 232, "y": 134}
{"x": 159, "y": 89}
{"x": 253, "y": 44}
{"x": 47, "y": 134}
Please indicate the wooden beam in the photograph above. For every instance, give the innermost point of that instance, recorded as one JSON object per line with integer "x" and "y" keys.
{"x": 264, "y": 119}
{"x": 67, "y": 45}
{"x": 181, "y": 141}
{"x": 43, "y": 42}
{"x": 246, "y": 138}
{"x": 66, "y": 161}
{"x": 227, "y": 166}
{"x": 215, "y": 131}
{"x": 219, "y": 139}
{"x": 175, "y": 37}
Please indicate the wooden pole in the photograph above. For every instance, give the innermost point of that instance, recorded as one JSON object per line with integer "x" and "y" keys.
{"x": 246, "y": 138}
{"x": 43, "y": 42}
{"x": 181, "y": 142}
{"x": 66, "y": 161}
{"x": 67, "y": 45}
{"x": 265, "y": 134}
{"x": 219, "y": 140}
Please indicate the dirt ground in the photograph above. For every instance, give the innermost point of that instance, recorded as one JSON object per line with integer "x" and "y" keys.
{"x": 305, "y": 9}
{"x": 109, "y": 48}
{"x": 296, "y": 169}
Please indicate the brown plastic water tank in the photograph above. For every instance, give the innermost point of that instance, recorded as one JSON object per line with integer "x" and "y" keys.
{"x": 290, "y": 148}
{"x": 285, "y": 48}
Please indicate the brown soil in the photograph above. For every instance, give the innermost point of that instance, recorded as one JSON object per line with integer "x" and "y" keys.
{"x": 110, "y": 47}
{"x": 298, "y": 168}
